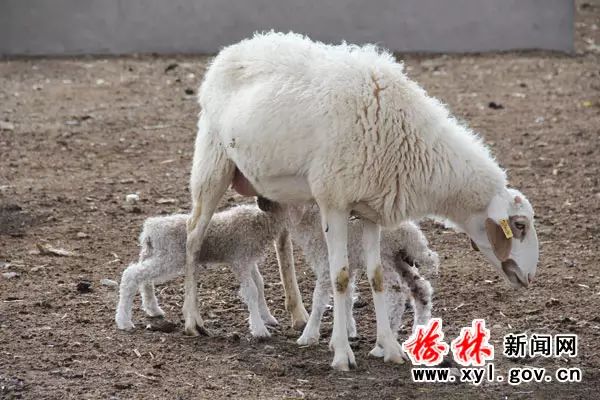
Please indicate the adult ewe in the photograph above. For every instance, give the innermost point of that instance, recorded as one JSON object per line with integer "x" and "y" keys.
{"x": 294, "y": 120}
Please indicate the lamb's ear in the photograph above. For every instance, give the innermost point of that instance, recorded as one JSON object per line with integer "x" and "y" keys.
{"x": 497, "y": 237}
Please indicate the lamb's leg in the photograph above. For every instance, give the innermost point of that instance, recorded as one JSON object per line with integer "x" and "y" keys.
{"x": 335, "y": 226}
{"x": 212, "y": 173}
{"x": 149, "y": 300}
{"x": 293, "y": 299}
{"x": 311, "y": 332}
{"x": 249, "y": 294}
{"x": 131, "y": 279}
{"x": 265, "y": 313}
{"x": 385, "y": 337}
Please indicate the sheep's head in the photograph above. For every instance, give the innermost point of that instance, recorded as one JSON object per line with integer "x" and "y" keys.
{"x": 506, "y": 236}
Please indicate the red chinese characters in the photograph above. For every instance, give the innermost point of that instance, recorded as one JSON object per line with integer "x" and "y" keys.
{"x": 471, "y": 347}
{"x": 426, "y": 345}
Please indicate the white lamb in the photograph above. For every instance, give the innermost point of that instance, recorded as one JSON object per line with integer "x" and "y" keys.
{"x": 294, "y": 120}
{"x": 239, "y": 236}
{"x": 400, "y": 250}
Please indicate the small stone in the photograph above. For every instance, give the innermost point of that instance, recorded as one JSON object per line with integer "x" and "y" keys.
{"x": 6, "y": 126}
{"x": 10, "y": 275}
{"x": 132, "y": 198}
{"x": 189, "y": 91}
{"x": 109, "y": 283}
{"x": 495, "y": 106}
{"x": 171, "y": 67}
{"x": 123, "y": 385}
{"x": 82, "y": 235}
{"x": 84, "y": 286}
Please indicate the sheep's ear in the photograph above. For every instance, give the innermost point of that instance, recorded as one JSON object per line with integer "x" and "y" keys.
{"x": 501, "y": 244}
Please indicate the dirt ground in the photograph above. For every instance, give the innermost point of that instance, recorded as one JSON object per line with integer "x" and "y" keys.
{"x": 78, "y": 135}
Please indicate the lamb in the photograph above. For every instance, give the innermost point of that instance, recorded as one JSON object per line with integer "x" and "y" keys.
{"x": 401, "y": 249}
{"x": 239, "y": 236}
{"x": 294, "y": 120}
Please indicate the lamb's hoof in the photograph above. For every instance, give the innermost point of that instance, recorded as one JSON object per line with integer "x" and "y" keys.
{"x": 377, "y": 352}
{"x": 261, "y": 333}
{"x": 394, "y": 354}
{"x": 125, "y": 325}
{"x": 154, "y": 312}
{"x": 343, "y": 360}
{"x": 270, "y": 320}
{"x": 308, "y": 340}
{"x": 196, "y": 330}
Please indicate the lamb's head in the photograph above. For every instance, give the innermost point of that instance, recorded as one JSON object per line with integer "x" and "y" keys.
{"x": 506, "y": 236}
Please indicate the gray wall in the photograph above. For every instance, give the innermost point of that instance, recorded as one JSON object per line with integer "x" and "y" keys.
{"x": 34, "y": 27}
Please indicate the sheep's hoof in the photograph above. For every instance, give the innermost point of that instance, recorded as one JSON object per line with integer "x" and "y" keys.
{"x": 343, "y": 359}
{"x": 308, "y": 340}
{"x": 261, "y": 333}
{"x": 299, "y": 319}
{"x": 270, "y": 320}
{"x": 377, "y": 351}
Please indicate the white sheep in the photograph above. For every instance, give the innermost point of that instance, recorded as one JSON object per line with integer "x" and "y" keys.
{"x": 294, "y": 120}
{"x": 400, "y": 250}
{"x": 239, "y": 236}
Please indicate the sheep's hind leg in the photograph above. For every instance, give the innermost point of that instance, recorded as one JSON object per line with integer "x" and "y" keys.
{"x": 335, "y": 226}
{"x": 287, "y": 271}
{"x": 212, "y": 172}
{"x": 385, "y": 337}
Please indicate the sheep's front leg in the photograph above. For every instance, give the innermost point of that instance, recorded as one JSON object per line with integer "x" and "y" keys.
{"x": 335, "y": 226}
{"x": 385, "y": 337}
{"x": 293, "y": 299}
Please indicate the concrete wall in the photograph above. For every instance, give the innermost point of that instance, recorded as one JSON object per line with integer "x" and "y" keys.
{"x": 34, "y": 27}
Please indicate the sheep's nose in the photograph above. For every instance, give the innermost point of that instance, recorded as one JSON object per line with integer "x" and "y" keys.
{"x": 529, "y": 278}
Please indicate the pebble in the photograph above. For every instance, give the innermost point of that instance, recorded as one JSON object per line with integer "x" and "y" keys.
{"x": 84, "y": 286}
{"x": 132, "y": 198}
{"x": 10, "y": 275}
{"x": 109, "y": 283}
{"x": 6, "y": 126}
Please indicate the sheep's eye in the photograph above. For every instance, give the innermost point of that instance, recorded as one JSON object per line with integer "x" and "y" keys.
{"x": 520, "y": 226}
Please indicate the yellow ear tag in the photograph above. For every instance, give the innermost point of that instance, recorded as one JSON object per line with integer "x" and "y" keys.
{"x": 506, "y": 228}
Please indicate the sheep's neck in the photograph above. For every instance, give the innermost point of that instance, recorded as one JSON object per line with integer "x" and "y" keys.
{"x": 467, "y": 183}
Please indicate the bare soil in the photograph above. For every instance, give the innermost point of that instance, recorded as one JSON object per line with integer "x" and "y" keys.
{"x": 80, "y": 134}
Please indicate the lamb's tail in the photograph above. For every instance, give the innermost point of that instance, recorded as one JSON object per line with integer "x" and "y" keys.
{"x": 420, "y": 289}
